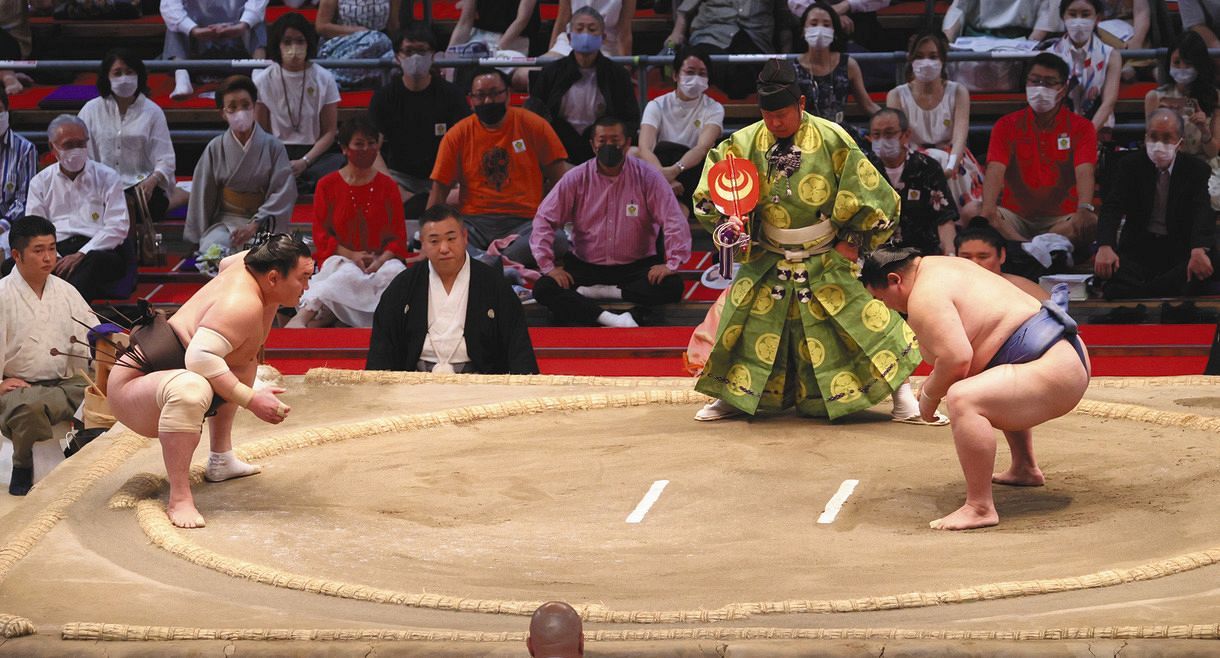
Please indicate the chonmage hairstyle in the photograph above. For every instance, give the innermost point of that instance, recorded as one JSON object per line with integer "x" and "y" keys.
{"x": 883, "y": 261}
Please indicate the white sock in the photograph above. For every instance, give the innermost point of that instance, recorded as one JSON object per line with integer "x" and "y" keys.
{"x": 600, "y": 292}
{"x": 905, "y": 404}
{"x": 182, "y": 85}
{"x": 608, "y": 319}
{"x": 226, "y": 466}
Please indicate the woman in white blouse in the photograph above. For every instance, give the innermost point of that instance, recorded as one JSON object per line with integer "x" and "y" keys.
{"x": 298, "y": 101}
{"x": 128, "y": 133}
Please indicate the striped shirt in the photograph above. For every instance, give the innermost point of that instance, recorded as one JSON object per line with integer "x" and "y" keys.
{"x": 18, "y": 164}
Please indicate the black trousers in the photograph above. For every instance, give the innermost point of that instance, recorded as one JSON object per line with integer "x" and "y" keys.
{"x": 736, "y": 80}
{"x": 669, "y": 153}
{"x": 97, "y": 271}
{"x": 1155, "y": 270}
{"x": 570, "y": 307}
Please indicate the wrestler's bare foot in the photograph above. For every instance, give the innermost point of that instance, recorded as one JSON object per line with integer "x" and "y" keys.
{"x": 965, "y": 518}
{"x": 184, "y": 515}
{"x": 226, "y": 466}
{"x": 1020, "y": 477}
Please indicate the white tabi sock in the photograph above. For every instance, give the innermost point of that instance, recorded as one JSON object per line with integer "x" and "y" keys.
{"x": 623, "y": 320}
{"x": 905, "y": 404}
{"x": 182, "y": 85}
{"x": 226, "y": 466}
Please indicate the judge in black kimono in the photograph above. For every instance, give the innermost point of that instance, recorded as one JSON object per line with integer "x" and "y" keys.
{"x": 451, "y": 313}
{"x": 243, "y": 179}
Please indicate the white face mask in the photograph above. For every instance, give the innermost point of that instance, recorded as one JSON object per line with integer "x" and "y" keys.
{"x": 819, "y": 36}
{"x": 1079, "y": 29}
{"x": 240, "y": 121}
{"x": 415, "y": 66}
{"x": 926, "y": 70}
{"x": 295, "y": 54}
{"x": 1041, "y": 99}
{"x": 1183, "y": 76}
{"x": 3, "y": 122}
{"x": 887, "y": 148}
{"x": 73, "y": 160}
{"x": 692, "y": 86}
{"x": 124, "y": 86}
{"x": 1161, "y": 154}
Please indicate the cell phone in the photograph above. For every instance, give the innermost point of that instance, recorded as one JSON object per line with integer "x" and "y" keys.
{"x": 1190, "y": 107}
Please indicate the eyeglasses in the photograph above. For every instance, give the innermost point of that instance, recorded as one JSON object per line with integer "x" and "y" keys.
{"x": 407, "y": 52}
{"x": 1035, "y": 81}
{"x": 488, "y": 95}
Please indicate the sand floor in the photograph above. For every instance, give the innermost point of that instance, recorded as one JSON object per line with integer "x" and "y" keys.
{"x": 441, "y": 532}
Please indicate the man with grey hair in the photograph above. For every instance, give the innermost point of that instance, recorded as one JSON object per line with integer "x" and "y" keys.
{"x": 1167, "y": 248}
{"x": 555, "y": 632}
{"x": 579, "y": 89}
{"x": 927, "y": 219}
{"x": 84, "y": 200}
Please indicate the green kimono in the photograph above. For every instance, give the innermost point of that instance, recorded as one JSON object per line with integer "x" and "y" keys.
{"x": 802, "y": 330}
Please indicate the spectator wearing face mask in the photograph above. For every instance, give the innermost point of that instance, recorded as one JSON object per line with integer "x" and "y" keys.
{"x": 575, "y": 91}
{"x": 503, "y": 25}
{"x": 243, "y": 180}
{"x": 679, "y": 128}
{"x": 1188, "y": 74}
{"x": 129, "y": 134}
{"x": 1096, "y": 68}
{"x": 1168, "y": 236}
{"x": 84, "y": 200}
{"x": 413, "y": 113}
{"x": 825, "y": 73}
{"x": 616, "y": 41}
{"x": 617, "y": 205}
{"x": 298, "y": 101}
{"x": 939, "y": 112}
{"x": 18, "y": 164}
{"x": 927, "y": 218}
{"x": 727, "y": 27}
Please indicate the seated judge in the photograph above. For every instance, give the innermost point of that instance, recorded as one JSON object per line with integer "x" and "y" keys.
{"x": 84, "y": 200}
{"x": 450, "y": 313}
{"x": 1168, "y": 238}
{"x": 617, "y": 205}
{"x": 242, "y": 180}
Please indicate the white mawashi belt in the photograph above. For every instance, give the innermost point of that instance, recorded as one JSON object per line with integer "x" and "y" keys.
{"x": 797, "y": 244}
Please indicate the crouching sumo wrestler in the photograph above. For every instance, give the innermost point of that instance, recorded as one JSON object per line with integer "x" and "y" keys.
{"x": 202, "y": 362}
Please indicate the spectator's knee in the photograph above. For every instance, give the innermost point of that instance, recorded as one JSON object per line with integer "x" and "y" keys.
{"x": 671, "y": 288}
{"x": 30, "y": 419}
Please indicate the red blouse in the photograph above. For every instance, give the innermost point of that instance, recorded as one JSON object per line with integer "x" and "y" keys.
{"x": 361, "y": 218}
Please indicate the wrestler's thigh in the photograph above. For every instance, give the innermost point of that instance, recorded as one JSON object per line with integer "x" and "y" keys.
{"x": 1019, "y": 397}
{"x": 133, "y": 397}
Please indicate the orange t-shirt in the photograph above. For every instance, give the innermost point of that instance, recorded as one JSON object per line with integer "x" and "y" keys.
{"x": 500, "y": 170}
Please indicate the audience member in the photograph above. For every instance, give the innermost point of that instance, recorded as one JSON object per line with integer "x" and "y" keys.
{"x": 940, "y": 132}
{"x": 727, "y": 27}
{"x": 680, "y": 127}
{"x": 825, "y": 72}
{"x": 1189, "y": 75}
{"x": 505, "y": 159}
{"x": 129, "y": 134}
{"x": 927, "y": 217}
{"x": 359, "y": 235}
{"x": 575, "y": 91}
{"x": 1137, "y": 17}
{"x": 1160, "y": 201}
{"x": 616, "y": 39}
{"x": 211, "y": 29}
{"x": 1203, "y": 18}
{"x": 243, "y": 179}
{"x": 355, "y": 29}
{"x": 984, "y": 245}
{"x": 84, "y": 199}
{"x": 413, "y": 113}
{"x": 503, "y": 25}
{"x": 617, "y": 206}
{"x": 16, "y": 40}
{"x": 38, "y": 311}
{"x": 451, "y": 313}
{"x": 1010, "y": 19}
{"x": 1096, "y": 68}
{"x": 298, "y": 101}
{"x": 1042, "y": 158}
{"x": 555, "y": 632}
{"x": 858, "y": 18}
{"x": 18, "y": 164}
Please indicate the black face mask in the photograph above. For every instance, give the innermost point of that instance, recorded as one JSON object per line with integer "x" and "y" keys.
{"x": 609, "y": 155}
{"x": 491, "y": 113}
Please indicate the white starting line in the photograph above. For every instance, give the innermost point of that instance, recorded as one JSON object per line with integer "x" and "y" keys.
{"x": 836, "y": 501}
{"x": 654, "y": 492}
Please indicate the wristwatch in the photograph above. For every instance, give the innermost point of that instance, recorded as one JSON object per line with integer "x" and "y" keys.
{"x": 1086, "y": 206}
{"x": 680, "y": 166}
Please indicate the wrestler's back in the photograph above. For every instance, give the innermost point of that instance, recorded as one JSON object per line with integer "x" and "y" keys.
{"x": 232, "y": 284}
{"x": 990, "y": 306}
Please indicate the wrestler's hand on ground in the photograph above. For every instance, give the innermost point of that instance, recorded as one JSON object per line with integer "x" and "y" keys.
{"x": 267, "y": 407}
{"x": 847, "y": 250}
{"x": 11, "y": 384}
{"x": 657, "y": 273}
{"x": 561, "y": 277}
{"x": 1105, "y": 263}
{"x": 1200, "y": 266}
{"x": 927, "y": 407}
{"x": 67, "y": 264}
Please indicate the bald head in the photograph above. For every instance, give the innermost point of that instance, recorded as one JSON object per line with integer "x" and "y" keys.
{"x": 555, "y": 632}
